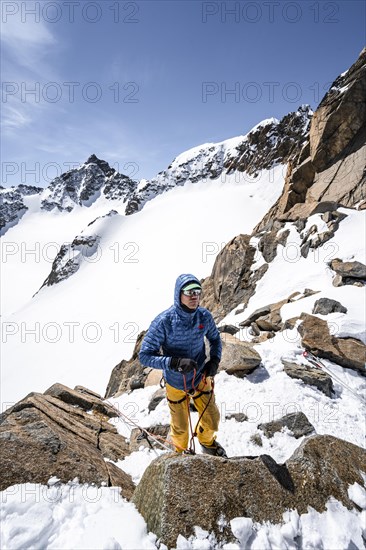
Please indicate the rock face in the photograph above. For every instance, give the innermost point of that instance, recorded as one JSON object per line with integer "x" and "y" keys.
{"x": 12, "y": 205}
{"x": 272, "y": 142}
{"x": 309, "y": 375}
{"x": 322, "y": 467}
{"x": 297, "y": 423}
{"x": 82, "y": 186}
{"x": 347, "y": 352}
{"x": 54, "y": 434}
{"x": 331, "y": 164}
{"x": 269, "y": 143}
{"x": 128, "y": 375}
{"x": 232, "y": 281}
{"x": 340, "y": 115}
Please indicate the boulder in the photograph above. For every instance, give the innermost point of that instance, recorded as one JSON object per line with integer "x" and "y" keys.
{"x": 257, "y": 488}
{"x": 269, "y": 241}
{"x": 310, "y": 375}
{"x": 296, "y": 422}
{"x": 324, "y": 306}
{"x": 349, "y": 271}
{"x": 230, "y": 329}
{"x": 238, "y": 358}
{"x": 347, "y": 352}
{"x": 44, "y": 436}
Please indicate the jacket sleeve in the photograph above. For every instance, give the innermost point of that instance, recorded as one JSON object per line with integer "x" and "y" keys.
{"x": 150, "y": 349}
{"x": 214, "y": 338}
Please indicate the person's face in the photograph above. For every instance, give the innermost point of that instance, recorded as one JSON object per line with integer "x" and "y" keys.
{"x": 190, "y": 301}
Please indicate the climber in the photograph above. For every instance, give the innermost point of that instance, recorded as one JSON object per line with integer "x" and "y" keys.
{"x": 175, "y": 343}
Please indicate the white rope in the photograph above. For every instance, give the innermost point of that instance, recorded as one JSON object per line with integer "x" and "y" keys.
{"x": 126, "y": 419}
{"x": 315, "y": 361}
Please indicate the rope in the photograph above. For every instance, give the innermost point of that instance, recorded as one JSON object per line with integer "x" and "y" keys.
{"x": 310, "y": 357}
{"x": 191, "y": 448}
{"x": 158, "y": 438}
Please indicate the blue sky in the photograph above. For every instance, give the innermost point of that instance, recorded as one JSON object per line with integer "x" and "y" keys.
{"x": 139, "y": 82}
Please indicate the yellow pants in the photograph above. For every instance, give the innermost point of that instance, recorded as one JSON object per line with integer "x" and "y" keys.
{"x": 179, "y": 424}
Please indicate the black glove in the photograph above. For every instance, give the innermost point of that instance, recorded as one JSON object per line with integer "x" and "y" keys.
{"x": 210, "y": 368}
{"x": 183, "y": 364}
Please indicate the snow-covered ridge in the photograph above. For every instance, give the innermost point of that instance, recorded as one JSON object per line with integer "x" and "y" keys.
{"x": 269, "y": 143}
{"x": 94, "y": 182}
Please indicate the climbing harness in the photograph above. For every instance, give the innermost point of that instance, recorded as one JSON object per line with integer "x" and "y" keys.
{"x": 189, "y": 394}
{"x": 316, "y": 362}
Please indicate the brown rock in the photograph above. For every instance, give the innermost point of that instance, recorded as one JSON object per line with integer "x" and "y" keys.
{"x": 227, "y": 285}
{"x": 113, "y": 446}
{"x": 238, "y": 358}
{"x": 322, "y": 467}
{"x": 340, "y": 115}
{"x": 119, "y": 478}
{"x": 43, "y": 436}
{"x": 356, "y": 270}
{"x": 310, "y": 375}
{"x": 86, "y": 400}
{"x": 347, "y": 352}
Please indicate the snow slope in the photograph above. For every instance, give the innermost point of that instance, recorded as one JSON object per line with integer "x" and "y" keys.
{"x": 77, "y": 330}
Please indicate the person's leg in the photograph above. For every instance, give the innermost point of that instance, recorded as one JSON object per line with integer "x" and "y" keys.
{"x": 178, "y": 418}
{"x": 209, "y": 423}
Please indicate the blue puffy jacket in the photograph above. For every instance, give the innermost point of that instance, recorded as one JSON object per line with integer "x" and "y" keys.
{"x": 178, "y": 333}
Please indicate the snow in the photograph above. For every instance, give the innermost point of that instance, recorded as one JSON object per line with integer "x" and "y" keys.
{"x": 70, "y": 516}
{"x": 86, "y": 324}
{"x": 90, "y": 518}
{"x": 75, "y": 332}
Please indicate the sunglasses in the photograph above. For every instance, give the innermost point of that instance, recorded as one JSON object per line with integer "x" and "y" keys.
{"x": 193, "y": 292}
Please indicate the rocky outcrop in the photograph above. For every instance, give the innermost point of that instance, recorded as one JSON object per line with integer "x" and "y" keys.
{"x": 70, "y": 257}
{"x": 12, "y": 205}
{"x": 231, "y": 282}
{"x": 63, "y": 433}
{"x": 269, "y": 143}
{"x": 331, "y": 164}
{"x": 128, "y": 375}
{"x": 296, "y": 422}
{"x": 257, "y": 488}
{"x": 347, "y": 352}
{"x": 272, "y": 142}
{"x": 348, "y": 273}
{"x": 340, "y": 115}
{"x": 84, "y": 185}
{"x": 309, "y": 375}
{"x": 238, "y": 358}
{"x": 268, "y": 318}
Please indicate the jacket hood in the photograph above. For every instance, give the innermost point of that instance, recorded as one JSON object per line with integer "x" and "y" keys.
{"x": 181, "y": 281}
